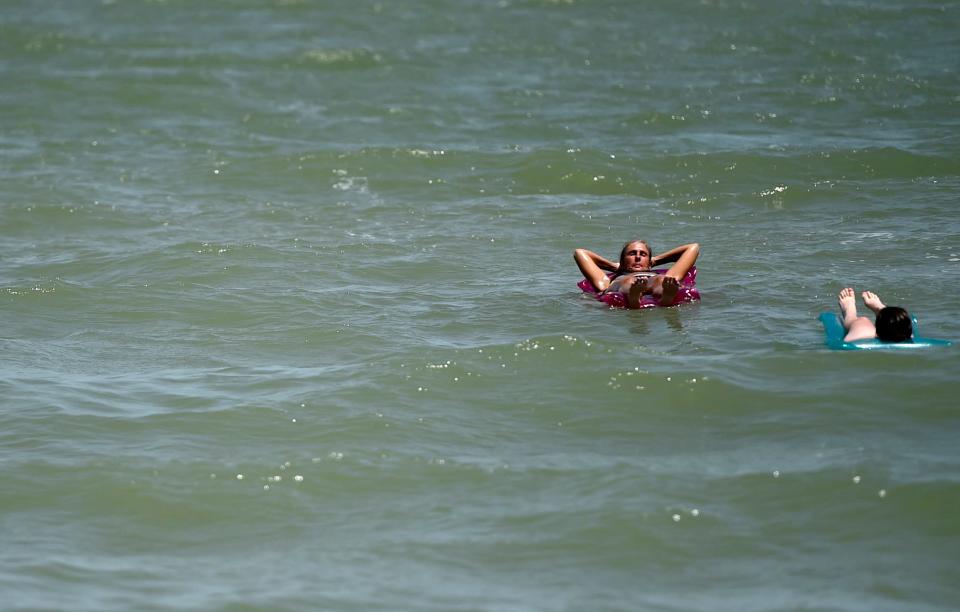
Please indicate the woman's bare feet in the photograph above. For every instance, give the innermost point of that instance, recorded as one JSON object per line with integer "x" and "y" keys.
{"x": 871, "y": 301}
{"x": 848, "y": 306}
{"x": 663, "y": 288}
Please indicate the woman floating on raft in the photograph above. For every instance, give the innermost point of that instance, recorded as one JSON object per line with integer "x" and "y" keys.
{"x": 633, "y": 283}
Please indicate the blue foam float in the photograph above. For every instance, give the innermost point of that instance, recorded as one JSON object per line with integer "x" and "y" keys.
{"x": 834, "y": 332}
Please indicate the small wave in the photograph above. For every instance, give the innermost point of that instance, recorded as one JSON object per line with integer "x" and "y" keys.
{"x": 342, "y": 58}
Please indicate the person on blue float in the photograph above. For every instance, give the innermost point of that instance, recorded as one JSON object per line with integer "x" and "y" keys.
{"x": 634, "y": 276}
{"x": 892, "y": 324}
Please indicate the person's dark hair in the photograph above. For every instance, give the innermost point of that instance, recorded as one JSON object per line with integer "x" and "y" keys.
{"x": 894, "y": 325}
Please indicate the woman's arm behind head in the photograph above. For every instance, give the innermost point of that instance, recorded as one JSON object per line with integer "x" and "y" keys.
{"x": 685, "y": 257}
{"x": 592, "y": 267}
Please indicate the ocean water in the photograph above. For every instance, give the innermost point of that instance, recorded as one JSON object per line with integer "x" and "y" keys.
{"x": 290, "y": 318}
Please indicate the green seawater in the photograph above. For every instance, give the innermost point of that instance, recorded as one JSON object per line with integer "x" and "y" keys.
{"x": 290, "y": 318}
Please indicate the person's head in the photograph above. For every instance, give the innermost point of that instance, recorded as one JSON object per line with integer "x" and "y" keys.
{"x": 635, "y": 256}
{"x": 894, "y": 325}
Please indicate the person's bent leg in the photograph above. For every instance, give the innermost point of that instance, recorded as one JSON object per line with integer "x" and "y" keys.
{"x": 635, "y": 292}
{"x": 857, "y": 328}
{"x": 669, "y": 288}
{"x": 872, "y": 301}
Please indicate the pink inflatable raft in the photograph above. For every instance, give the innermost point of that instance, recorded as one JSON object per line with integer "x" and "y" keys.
{"x": 688, "y": 292}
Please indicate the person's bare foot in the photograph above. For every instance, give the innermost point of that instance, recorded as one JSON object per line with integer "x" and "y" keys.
{"x": 871, "y": 301}
{"x": 669, "y": 287}
{"x": 636, "y": 291}
{"x": 848, "y": 306}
